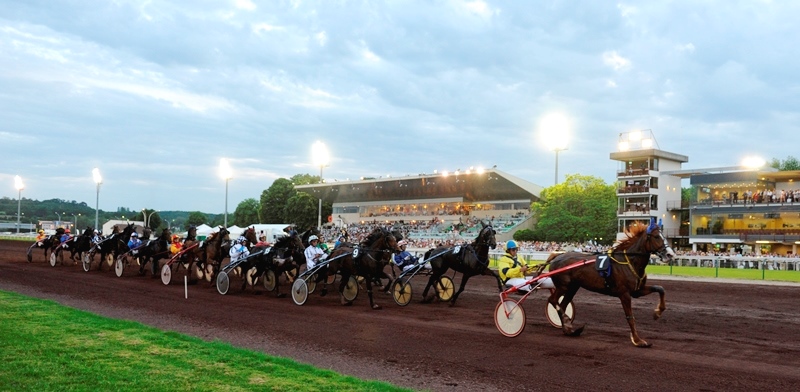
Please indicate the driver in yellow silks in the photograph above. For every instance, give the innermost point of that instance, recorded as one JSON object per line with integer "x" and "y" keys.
{"x": 176, "y": 245}
{"x": 514, "y": 272}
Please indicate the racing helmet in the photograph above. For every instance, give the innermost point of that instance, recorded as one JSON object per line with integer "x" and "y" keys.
{"x": 241, "y": 240}
{"x": 402, "y": 243}
{"x": 511, "y": 244}
{"x": 312, "y": 238}
{"x": 41, "y": 231}
{"x": 66, "y": 231}
{"x": 175, "y": 238}
{"x": 134, "y": 234}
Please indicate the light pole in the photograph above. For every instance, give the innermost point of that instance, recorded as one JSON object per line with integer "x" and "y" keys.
{"x": 20, "y": 186}
{"x": 226, "y": 173}
{"x": 554, "y": 128}
{"x": 97, "y": 180}
{"x": 75, "y": 220}
{"x": 58, "y": 222}
{"x": 144, "y": 215}
{"x": 320, "y": 157}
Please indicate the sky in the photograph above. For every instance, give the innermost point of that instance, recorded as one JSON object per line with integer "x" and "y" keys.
{"x": 155, "y": 93}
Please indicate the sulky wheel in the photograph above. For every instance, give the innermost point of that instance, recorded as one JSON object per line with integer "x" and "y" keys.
{"x": 552, "y": 314}
{"x": 350, "y": 292}
{"x": 223, "y": 282}
{"x": 110, "y": 259}
{"x": 401, "y": 292}
{"x": 53, "y": 259}
{"x": 509, "y": 318}
{"x": 445, "y": 288}
{"x": 86, "y": 261}
{"x": 270, "y": 280}
{"x": 299, "y": 291}
{"x": 166, "y": 274}
{"x": 119, "y": 265}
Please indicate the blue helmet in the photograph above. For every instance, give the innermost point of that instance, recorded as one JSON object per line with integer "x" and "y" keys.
{"x": 511, "y": 244}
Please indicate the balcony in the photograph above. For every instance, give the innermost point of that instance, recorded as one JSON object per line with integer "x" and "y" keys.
{"x": 633, "y": 173}
{"x": 633, "y": 189}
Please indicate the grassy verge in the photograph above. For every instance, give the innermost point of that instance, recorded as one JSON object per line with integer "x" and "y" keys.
{"x": 46, "y": 347}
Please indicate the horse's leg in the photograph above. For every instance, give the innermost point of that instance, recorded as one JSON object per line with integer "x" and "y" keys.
{"x": 566, "y": 323}
{"x": 372, "y": 303}
{"x": 662, "y": 303}
{"x": 491, "y": 272}
{"x": 435, "y": 275}
{"x": 464, "y": 279}
{"x": 342, "y": 284}
{"x": 625, "y": 299}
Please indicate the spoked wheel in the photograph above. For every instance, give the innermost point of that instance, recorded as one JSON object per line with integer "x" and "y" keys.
{"x": 552, "y": 313}
{"x": 53, "y": 259}
{"x": 299, "y": 291}
{"x": 209, "y": 271}
{"x": 86, "y": 261}
{"x": 119, "y": 266}
{"x": 110, "y": 259}
{"x": 401, "y": 292}
{"x": 311, "y": 283}
{"x": 166, "y": 274}
{"x": 509, "y": 318}
{"x": 223, "y": 282}
{"x": 270, "y": 280}
{"x": 445, "y": 288}
{"x": 350, "y": 292}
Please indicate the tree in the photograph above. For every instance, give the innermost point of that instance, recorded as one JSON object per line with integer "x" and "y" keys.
{"x": 246, "y": 213}
{"x": 790, "y": 163}
{"x": 305, "y": 179}
{"x": 274, "y": 199}
{"x": 303, "y": 210}
{"x": 525, "y": 235}
{"x": 196, "y": 218}
{"x": 153, "y": 219}
{"x": 579, "y": 209}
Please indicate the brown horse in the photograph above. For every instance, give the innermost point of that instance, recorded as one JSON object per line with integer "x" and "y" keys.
{"x": 471, "y": 259}
{"x": 366, "y": 260}
{"x": 626, "y": 278}
{"x": 213, "y": 252}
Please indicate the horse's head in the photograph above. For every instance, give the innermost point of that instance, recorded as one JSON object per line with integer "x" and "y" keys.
{"x": 295, "y": 242}
{"x": 250, "y": 235}
{"x": 486, "y": 237}
{"x": 655, "y": 243}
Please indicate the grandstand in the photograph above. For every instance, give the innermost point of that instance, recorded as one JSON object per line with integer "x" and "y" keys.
{"x": 444, "y": 206}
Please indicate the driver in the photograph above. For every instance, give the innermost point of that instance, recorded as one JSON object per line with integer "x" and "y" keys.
{"x": 239, "y": 249}
{"x": 315, "y": 255}
{"x": 404, "y": 259}
{"x": 134, "y": 243}
{"x": 176, "y": 245}
{"x": 40, "y": 237}
{"x": 514, "y": 272}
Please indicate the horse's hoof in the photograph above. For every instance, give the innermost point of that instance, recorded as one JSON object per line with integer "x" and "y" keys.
{"x": 657, "y": 314}
{"x": 578, "y": 331}
{"x": 323, "y": 293}
{"x": 376, "y": 307}
{"x": 281, "y": 295}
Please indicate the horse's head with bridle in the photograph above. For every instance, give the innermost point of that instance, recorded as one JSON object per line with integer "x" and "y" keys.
{"x": 647, "y": 239}
{"x": 486, "y": 237}
{"x": 250, "y": 235}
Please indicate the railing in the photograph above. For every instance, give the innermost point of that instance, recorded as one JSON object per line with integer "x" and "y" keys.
{"x": 738, "y": 262}
{"x": 677, "y": 204}
{"x": 634, "y": 189}
{"x": 633, "y": 172}
{"x": 636, "y": 210}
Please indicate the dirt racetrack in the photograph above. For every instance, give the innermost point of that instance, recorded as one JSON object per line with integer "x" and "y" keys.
{"x": 713, "y": 336}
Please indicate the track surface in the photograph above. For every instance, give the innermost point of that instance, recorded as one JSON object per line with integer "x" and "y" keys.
{"x": 713, "y": 336}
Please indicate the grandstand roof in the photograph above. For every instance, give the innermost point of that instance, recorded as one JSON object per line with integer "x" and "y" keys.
{"x": 490, "y": 185}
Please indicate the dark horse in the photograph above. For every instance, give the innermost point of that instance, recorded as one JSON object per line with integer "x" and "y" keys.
{"x": 47, "y": 244}
{"x": 278, "y": 258}
{"x": 114, "y": 245}
{"x": 81, "y": 243}
{"x": 154, "y": 250}
{"x": 366, "y": 260}
{"x": 471, "y": 259}
{"x": 627, "y": 279}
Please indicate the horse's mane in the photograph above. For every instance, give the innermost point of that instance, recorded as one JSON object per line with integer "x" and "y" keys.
{"x": 283, "y": 242}
{"x": 632, "y": 233}
{"x": 374, "y": 236}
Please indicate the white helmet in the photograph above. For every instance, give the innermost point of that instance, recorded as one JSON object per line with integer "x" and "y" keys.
{"x": 134, "y": 234}
{"x": 402, "y": 243}
{"x": 241, "y": 239}
{"x": 312, "y": 238}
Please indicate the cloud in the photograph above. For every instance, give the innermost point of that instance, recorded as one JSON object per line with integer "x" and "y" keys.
{"x": 246, "y": 5}
{"x": 614, "y": 60}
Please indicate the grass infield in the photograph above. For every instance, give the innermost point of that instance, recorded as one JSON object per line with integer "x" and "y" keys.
{"x": 48, "y": 347}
